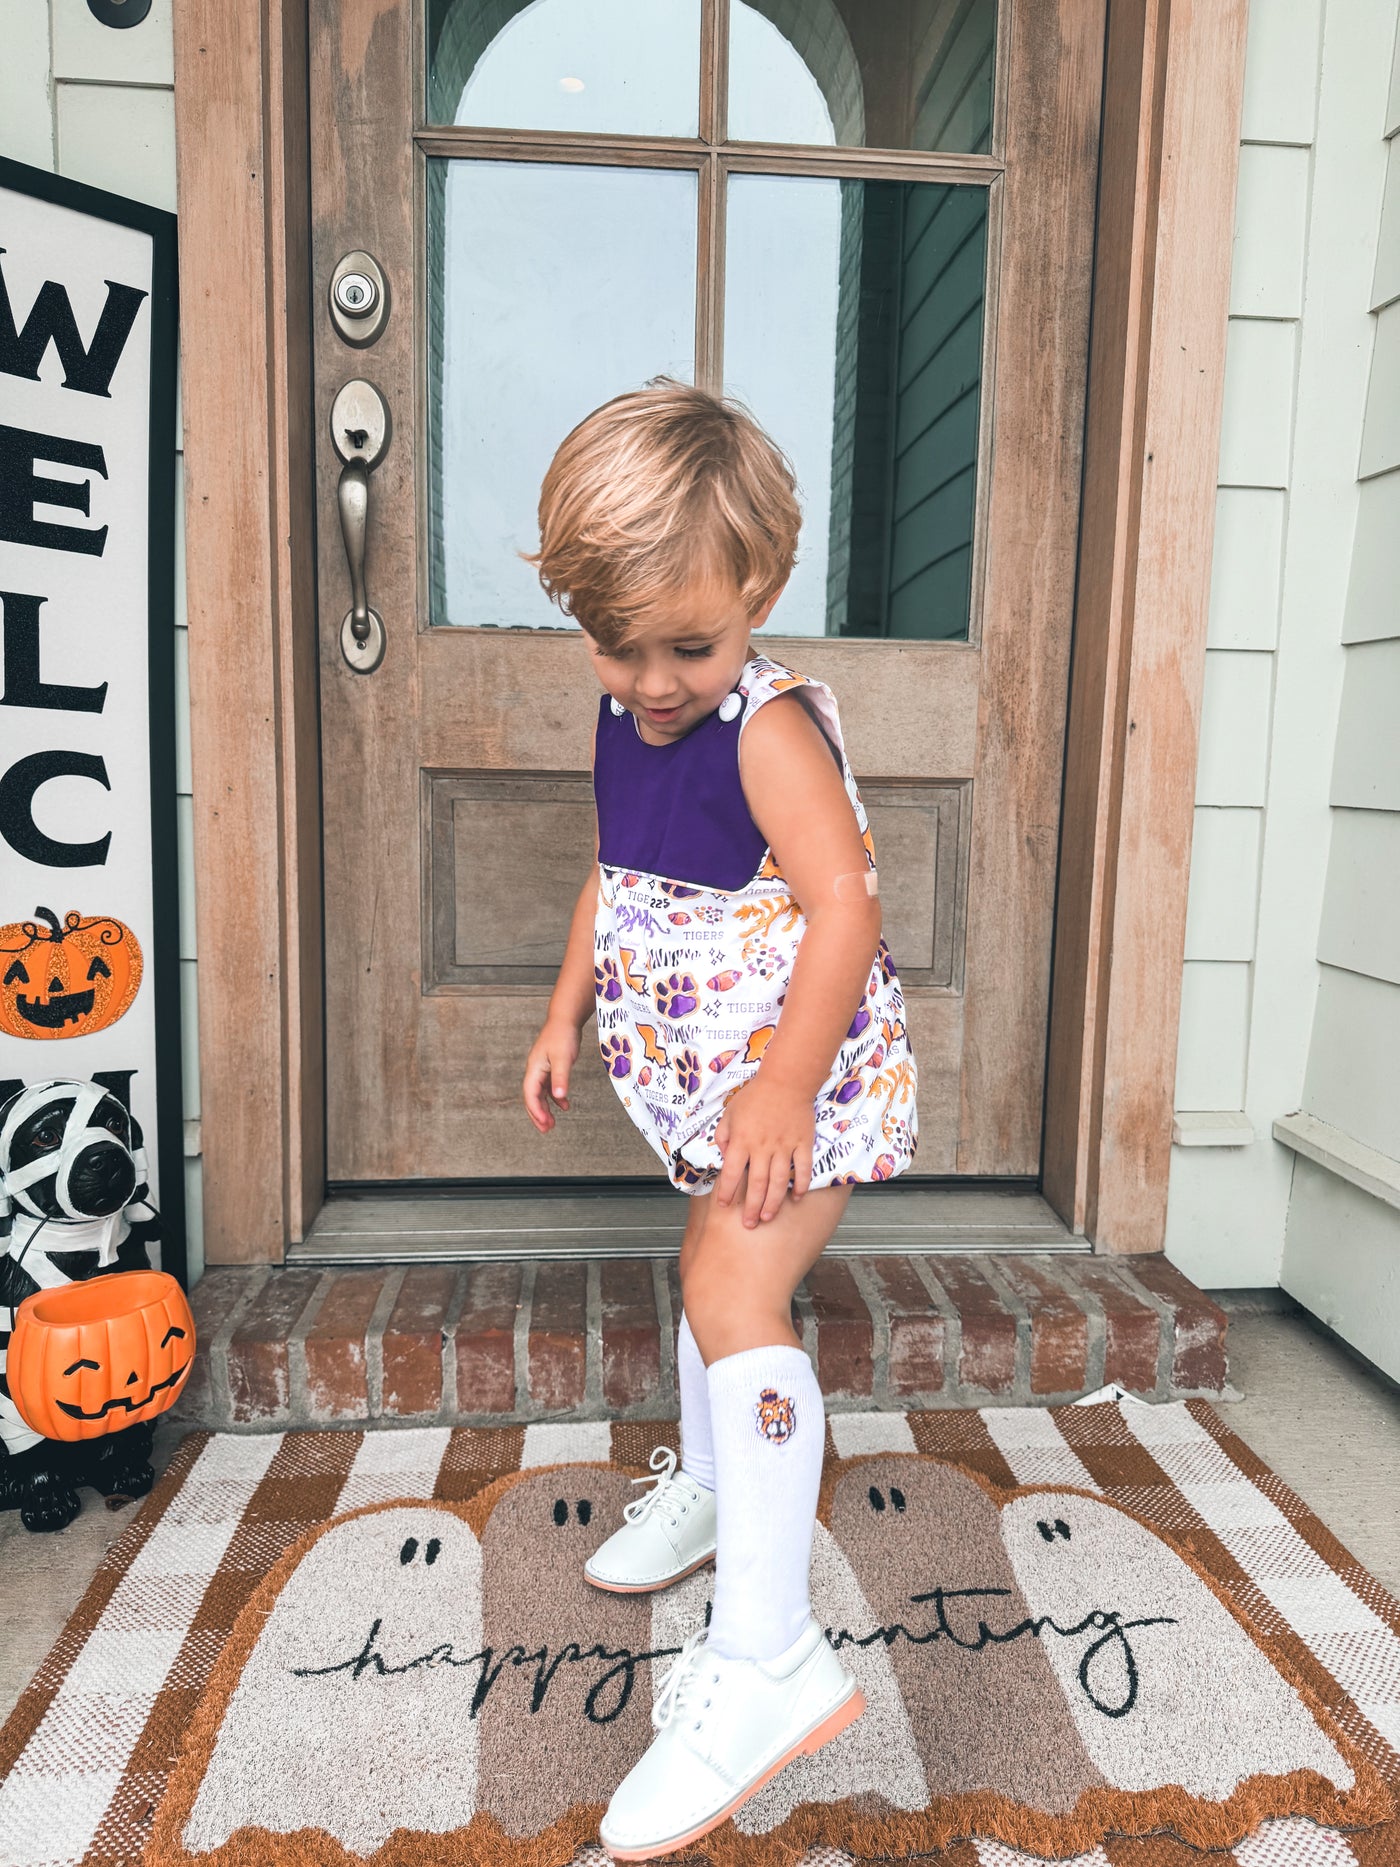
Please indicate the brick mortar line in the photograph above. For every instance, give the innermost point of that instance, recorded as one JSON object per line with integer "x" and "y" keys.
{"x": 1096, "y": 1321}
{"x": 298, "y": 1384}
{"x": 1095, "y": 1337}
{"x": 668, "y": 1378}
{"x": 1020, "y": 1393}
{"x": 524, "y": 1400}
{"x": 452, "y": 1315}
{"x": 863, "y": 1278}
{"x": 952, "y": 1330}
{"x": 593, "y": 1337}
{"x": 374, "y": 1340}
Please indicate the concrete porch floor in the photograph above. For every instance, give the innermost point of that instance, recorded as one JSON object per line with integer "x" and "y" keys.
{"x": 1328, "y": 1425}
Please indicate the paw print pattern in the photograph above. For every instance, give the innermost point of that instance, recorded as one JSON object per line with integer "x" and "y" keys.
{"x": 688, "y": 1071}
{"x": 847, "y": 1090}
{"x": 606, "y": 983}
{"x": 676, "y": 996}
{"x": 885, "y": 959}
{"x": 617, "y": 1054}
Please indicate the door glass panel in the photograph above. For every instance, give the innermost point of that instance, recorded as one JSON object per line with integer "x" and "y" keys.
{"x": 629, "y": 67}
{"x": 890, "y": 75}
{"x": 853, "y": 329}
{"x": 550, "y": 289}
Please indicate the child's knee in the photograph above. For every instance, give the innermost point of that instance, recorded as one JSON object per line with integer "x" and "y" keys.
{"x": 701, "y": 1291}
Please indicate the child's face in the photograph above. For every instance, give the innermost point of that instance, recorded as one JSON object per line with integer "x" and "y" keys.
{"x": 681, "y": 659}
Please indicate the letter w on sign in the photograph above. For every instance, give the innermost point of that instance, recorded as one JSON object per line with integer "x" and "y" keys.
{"x": 87, "y": 368}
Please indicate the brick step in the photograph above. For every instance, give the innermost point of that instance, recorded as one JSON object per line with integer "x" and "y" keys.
{"x": 487, "y": 1344}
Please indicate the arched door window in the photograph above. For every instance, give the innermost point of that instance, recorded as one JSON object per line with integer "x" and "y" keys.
{"x": 785, "y": 198}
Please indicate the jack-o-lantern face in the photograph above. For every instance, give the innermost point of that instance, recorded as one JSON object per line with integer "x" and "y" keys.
{"x": 64, "y": 981}
{"x": 91, "y": 1358}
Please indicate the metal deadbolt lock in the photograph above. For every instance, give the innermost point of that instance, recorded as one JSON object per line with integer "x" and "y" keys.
{"x": 356, "y": 294}
{"x": 359, "y": 299}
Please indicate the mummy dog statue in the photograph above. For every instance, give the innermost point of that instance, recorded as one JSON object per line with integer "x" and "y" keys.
{"x": 73, "y": 1202}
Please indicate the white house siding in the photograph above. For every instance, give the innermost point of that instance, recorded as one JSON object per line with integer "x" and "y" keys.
{"x": 1342, "y": 1251}
{"x": 99, "y": 105}
{"x": 1296, "y": 425}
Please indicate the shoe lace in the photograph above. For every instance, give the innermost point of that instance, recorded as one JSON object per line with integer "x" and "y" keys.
{"x": 665, "y": 1497}
{"x": 675, "y": 1699}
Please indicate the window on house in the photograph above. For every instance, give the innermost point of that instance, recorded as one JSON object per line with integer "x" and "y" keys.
{"x": 789, "y": 199}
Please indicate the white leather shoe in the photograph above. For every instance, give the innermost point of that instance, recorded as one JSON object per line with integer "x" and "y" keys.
{"x": 666, "y": 1534}
{"x": 724, "y": 1727}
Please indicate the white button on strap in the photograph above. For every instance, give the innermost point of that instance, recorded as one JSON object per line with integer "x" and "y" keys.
{"x": 731, "y": 706}
{"x": 617, "y": 707}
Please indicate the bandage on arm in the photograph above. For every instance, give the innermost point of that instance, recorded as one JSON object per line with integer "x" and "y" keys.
{"x": 864, "y": 884}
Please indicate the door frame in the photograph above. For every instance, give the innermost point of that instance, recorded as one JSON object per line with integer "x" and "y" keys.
{"x": 1173, "y": 87}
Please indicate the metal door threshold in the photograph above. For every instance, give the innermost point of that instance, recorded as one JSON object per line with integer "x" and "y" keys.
{"x": 448, "y": 1228}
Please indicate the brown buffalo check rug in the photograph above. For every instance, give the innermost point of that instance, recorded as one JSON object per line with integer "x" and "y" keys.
{"x": 1103, "y": 1632}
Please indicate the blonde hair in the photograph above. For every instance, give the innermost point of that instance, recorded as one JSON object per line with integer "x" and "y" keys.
{"x": 655, "y": 489}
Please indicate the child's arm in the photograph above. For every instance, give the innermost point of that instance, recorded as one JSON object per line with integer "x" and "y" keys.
{"x": 554, "y": 1051}
{"x": 798, "y": 800}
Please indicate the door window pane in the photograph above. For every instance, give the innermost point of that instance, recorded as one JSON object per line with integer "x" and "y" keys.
{"x": 853, "y": 329}
{"x": 891, "y": 74}
{"x": 551, "y": 288}
{"x": 629, "y": 67}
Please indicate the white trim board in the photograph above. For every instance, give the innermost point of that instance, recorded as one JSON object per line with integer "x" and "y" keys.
{"x": 1211, "y": 1128}
{"x": 1364, "y": 1167}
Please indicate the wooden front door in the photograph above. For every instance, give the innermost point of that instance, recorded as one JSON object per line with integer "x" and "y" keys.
{"x": 873, "y": 219}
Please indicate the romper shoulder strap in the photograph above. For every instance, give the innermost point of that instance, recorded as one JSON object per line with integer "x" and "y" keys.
{"x": 764, "y": 680}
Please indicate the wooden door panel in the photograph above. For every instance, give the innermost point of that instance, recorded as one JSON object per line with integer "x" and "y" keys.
{"x": 498, "y": 698}
{"x": 455, "y": 793}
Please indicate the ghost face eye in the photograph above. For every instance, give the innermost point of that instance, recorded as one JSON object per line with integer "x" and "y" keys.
{"x": 16, "y": 974}
{"x": 410, "y": 1549}
{"x": 878, "y": 1502}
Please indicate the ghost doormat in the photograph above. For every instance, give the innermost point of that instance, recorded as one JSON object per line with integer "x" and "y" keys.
{"x": 1100, "y": 1631}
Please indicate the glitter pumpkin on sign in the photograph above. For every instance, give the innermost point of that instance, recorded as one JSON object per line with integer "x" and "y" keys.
{"x": 66, "y": 980}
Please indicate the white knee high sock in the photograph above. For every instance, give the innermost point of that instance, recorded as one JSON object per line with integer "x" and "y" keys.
{"x": 697, "y": 1443}
{"x": 769, "y": 1434}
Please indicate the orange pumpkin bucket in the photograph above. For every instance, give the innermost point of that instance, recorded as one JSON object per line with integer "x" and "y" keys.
{"x": 91, "y": 1358}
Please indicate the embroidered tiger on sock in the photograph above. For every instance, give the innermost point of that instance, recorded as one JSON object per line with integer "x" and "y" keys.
{"x": 775, "y": 1416}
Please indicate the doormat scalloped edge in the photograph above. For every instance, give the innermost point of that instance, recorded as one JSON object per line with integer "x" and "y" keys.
{"x": 865, "y": 1827}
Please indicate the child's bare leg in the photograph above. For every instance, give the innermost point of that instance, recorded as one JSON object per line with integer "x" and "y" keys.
{"x": 766, "y": 1418}
{"x": 739, "y": 1282}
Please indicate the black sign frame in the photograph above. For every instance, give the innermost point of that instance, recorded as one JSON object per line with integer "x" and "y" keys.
{"x": 164, "y": 941}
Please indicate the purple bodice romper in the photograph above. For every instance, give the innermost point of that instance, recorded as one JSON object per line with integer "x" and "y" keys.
{"x": 695, "y": 939}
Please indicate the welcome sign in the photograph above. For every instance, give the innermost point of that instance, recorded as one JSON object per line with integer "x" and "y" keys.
{"x": 89, "y": 919}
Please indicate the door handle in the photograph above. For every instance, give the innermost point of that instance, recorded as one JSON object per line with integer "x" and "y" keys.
{"x": 360, "y": 436}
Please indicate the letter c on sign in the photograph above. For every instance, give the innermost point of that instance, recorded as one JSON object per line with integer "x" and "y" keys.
{"x": 17, "y": 824}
